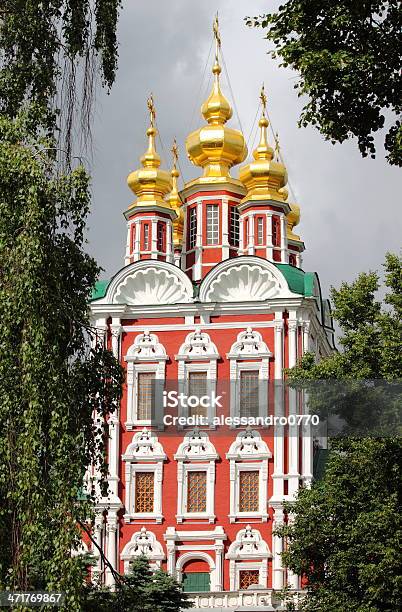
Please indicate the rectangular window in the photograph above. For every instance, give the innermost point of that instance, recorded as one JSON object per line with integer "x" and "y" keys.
{"x": 249, "y": 396}
{"x": 197, "y": 387}
{"x": 192, "y": 223}
{"x": 144, "y": 492}
{"x": 275, "y": 231}
{"x": 145, "y": 395}
{"x": 234, "y": 224}
{"x": 196, "y": 491}
{"x": 247, "y": 578}
{"x": 212, "y": 224}
{"x": 146, "y": 237}
{"x": 249, "y": 491}
{"x": 260, "y": 230}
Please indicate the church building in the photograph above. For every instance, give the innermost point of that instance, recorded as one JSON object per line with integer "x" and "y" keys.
{"x": 212, "y": 302}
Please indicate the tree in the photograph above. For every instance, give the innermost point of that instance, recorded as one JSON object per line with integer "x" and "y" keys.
{"x": 140, "y": 591}
{"x": 346, "y": 535}
{"x": 348, "y": 56}
{"x": 51, "y": 383}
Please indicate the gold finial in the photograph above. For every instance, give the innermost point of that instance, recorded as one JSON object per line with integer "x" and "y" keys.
{"x": 263, "y": 99}
{"x": 174, "y": 200}
{"x": 217, "y": 37}
{"x": 151, "y": 108}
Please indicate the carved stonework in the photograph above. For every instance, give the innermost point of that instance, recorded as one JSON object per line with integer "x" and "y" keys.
{"x": 196, "y": 445}
{"x": 248, "y": 545}
{"x": 249, "y": 444}
{"x": 144, "y": 446}
{"x": 143, "y": 542}
{"x": 198, "y": 345}
{"x": 146, "y": 347}
{"x": 249, "y": 344}
{"x": 245, "y": 280}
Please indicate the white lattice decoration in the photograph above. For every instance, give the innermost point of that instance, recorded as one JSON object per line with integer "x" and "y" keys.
{"x": 143, "y": 542}
{"x": 198, "y": 346}
{"x": 144, "y": 447}
{"x": 248, "y": 445}
{"x": 249, "y": 344}
{"x": 146, "y": 347}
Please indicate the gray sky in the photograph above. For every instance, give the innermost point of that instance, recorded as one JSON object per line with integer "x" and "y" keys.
{"x": 350, "y": 206}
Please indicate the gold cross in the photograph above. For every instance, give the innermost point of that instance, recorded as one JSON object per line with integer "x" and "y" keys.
{"x": 263, "y": 99}
{"x": 175, "y": 152}
{"x": 217, "y": 35}
{"x": 277, "y": 147}
{"x": 151, "y": 108}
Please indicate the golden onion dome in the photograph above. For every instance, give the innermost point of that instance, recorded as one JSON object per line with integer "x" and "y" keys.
{"x": 175, "y": 202}
{"x": 216, "y": 147}
{"x": 265, "y": 178}
{"x": 149, "y": 183}
{"x": 293, "y": 219}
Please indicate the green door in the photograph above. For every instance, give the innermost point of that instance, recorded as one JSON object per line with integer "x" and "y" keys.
{"x": 196, "y": 582}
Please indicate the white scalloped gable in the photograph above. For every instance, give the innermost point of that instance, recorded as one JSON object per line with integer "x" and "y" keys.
{"x": 149, "y": 282}
{"x": 244, "y": 279}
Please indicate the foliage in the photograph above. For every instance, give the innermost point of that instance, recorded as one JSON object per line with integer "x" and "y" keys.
{"x": 346, "y": 536}
{"x": 47, "y": 49}
{"x": 347, "y": 54}
{"x": 139, "y": 591}
{"x": 50, "y": 383}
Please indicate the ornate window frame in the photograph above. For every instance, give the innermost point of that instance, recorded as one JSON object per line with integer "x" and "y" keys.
{"x": 144, "y": 454}
{"x": 251, "y": 353}
{"x": 143, "y": 542}
{"x": 197, "y": 354}
{"x": 146, "y": 354}
{"x": 249, "y": 452}
{"x": 195, "y": 453}
{"x": 248, "y": 552}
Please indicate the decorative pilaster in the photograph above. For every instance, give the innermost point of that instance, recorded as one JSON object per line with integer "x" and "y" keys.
{"x": 112, "y": 526}
{"x": 277, "y": 545}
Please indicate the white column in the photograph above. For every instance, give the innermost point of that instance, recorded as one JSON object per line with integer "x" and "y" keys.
{"x": 278, "y": 472}
{"x": 116, "y": 330}
{"x": 277, "y": 546}
{"x": 293, "y": 579}
{"x": 98, "y": 527}
{"x": 292, "y": 338}
{"x": 197, "y": 270}
{"x": 127, "y": 255}
{"x": 169, "y": 242}
{"x": 101, "y": 331}
{"x": 284, "y": 240}
{"x": 111, "y": 547}
{"x": 241, "y": 235}
{"x": 170, "y": 539}
{"x": 137, "y": 238}
{"x": 270, "y": 251}
{"x": 154, "y": 238}
{"x": 251, "y": 238}
{"x": 218, "y": 566}
{"x": 225, "y": 228}
{"x": 307, "y": 445}
{"x": 306, "y": 330}
{"x": 293, "y": 446}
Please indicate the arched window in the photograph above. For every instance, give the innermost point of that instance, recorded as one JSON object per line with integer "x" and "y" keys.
{"x": 197, "y": 359}
{"x": 146, "y": 360}
{"x": 196, "y": 458}
{"x": 249, "y": 373}
{"x": 248, "y": 556}
{"x": 248, "y": 456}
{"x": 144, "y": 459}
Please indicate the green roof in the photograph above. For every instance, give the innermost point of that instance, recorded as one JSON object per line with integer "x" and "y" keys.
{"x": 298, "y": 280}
{"x": 100, "y": 289}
